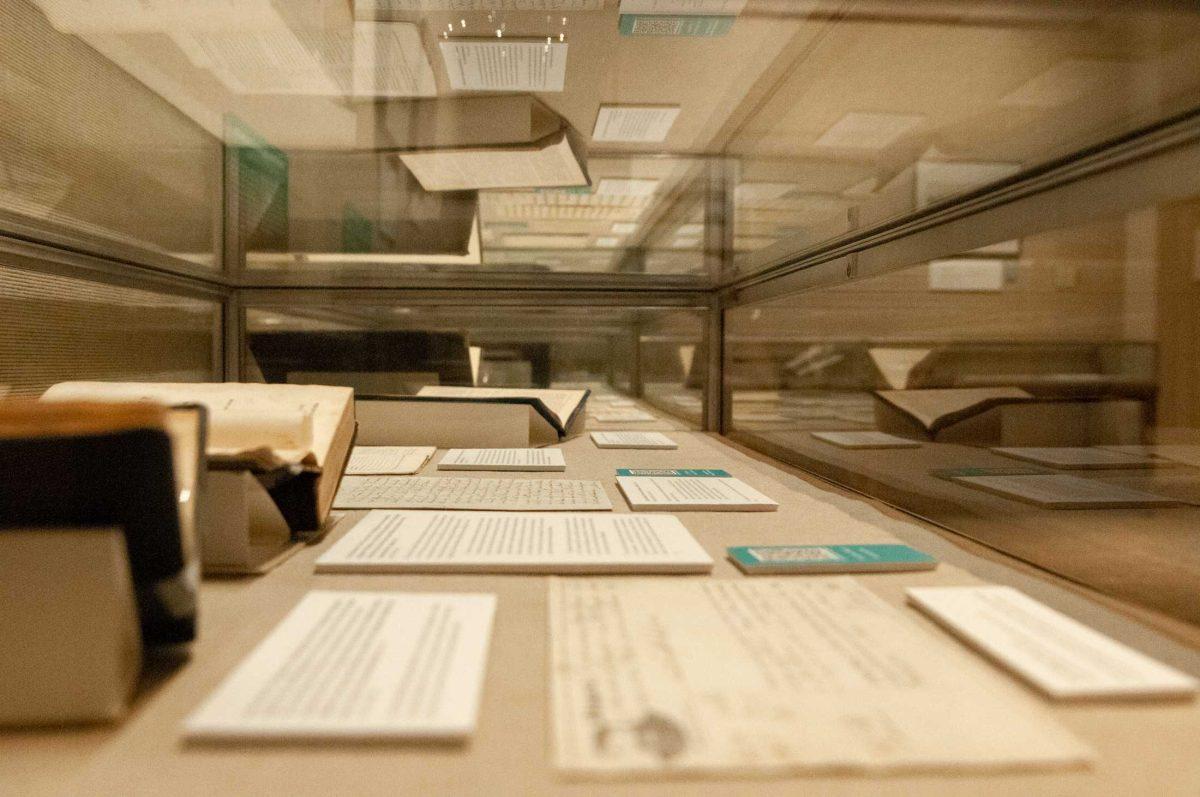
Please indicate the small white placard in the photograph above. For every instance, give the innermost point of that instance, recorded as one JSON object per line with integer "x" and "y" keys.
{"x": 514, "y": 542}
{"x": 519, "y": 459}
{"x": 504, "y": 64}
{"x": 645, "y": 440}
{"x": 459, "y": 492}
{"x": 634, "y": 123}
{"x": 688, "y": 490}
{"x": 622, "y": 416}
{"x": 968, "y": 274}
{"x": 1057, "y": 655}
{"x": 396, "y": 460}
{"x": 1061, "y": 491}
{"x": 1081, "y": 457}
{"x": 865, "y": 440}
{"x": 331, "y": 670}
{"x": 683, "y": 7}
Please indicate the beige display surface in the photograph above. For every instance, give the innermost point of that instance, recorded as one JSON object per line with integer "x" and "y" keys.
{"x": 1140, "y": 748}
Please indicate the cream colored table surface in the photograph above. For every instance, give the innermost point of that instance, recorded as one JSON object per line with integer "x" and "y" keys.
{"x": 1149, "y": 748}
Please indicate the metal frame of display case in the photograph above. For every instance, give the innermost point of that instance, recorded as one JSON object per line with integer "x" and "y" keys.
{"x": 1153, "y": 164}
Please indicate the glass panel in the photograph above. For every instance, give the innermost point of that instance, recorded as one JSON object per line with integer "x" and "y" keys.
{"x": 1037, "y": 389}
{"x": 54, "y": 329}
{"x": 381, "y": 348}
{"x": 885, "y": 108}
{"x": 87, "y": 148}
{"x": 380, "y": 138}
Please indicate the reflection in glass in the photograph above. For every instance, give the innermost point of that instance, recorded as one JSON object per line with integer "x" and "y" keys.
{"x": 1019, "y": 370}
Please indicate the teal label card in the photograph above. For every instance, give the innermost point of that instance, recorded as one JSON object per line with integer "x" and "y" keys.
{"x": 767, "y": 556}
{"x": 672, "y": 472}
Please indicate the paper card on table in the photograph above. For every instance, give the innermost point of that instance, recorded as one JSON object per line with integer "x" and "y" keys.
{"x": 1080, "y": 457}
{"x": 505, "y": 542}
{"x": 515, "y": 495}
{"x": 777, "y": 559}
{"x": 359, "y": 665}
{"x": 775, "y": 676}
{"x": 1061, "y": 491}
{"x": 689, "y": 489}
{"x": 622, "y": 416}
{"x": 865, "y": 440}
{"x": 1052, "y": 652}
{"x": 504, "y": 459}
{"x": 644, "y": 440}
{"x": 395, "y": 460}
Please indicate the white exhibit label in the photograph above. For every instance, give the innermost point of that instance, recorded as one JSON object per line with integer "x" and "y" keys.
{"x": 775, "y": 676}
{"x": 689, "y": 489}
{"x": 634, "y": 123}
{"x": 505, "y": 64}
{"x": 359, "y": 665}
{"x": 396, "y": 460}
{"x": 517, "y": 495}
{"x": 505, "y": 459}
{"x": 866, "y": 440}
{"x": 645, "y": 440}
{"x": 1052, "y": 652}
{"x": 512, "y": 542}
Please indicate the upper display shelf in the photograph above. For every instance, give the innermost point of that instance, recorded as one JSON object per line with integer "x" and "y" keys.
{"x": 631, "y": 137}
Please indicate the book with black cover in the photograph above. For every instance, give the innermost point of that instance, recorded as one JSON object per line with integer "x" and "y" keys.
{"x": 76, "y": 464}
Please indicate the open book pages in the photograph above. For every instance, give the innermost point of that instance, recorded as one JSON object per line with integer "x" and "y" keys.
{"x": 297, "y": 423}
{"x": 562, "y": 403}
{"x": 937, "y": 408}
{"x": 776, "y": 676}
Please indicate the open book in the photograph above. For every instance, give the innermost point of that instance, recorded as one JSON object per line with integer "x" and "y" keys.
{"x": 275, "y": 456}
{"x": 935, "y": 410}
{"x": 473, "y": 417}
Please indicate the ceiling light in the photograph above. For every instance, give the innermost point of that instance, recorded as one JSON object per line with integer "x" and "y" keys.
{"x": 866, "y": 130}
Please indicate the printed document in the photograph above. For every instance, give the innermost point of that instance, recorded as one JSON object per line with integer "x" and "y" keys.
{"x": 359, "y": 665}
{"x": 524, "y": 459}
{"x": 1061, "y": 491}
{"x": 509, "y": 542}
{"x": 781, "y": 676}
{"x": 865, "y": 440}
{"x": 1081, "y": 457}
{"x": 645, "y": 440}
{"x": 605, "y": 415}
{"x": 395, "y": 460}
{"x": 689, "y": 489}
{"x": 1057, "y": 655}
{"x": 517, "y": 495}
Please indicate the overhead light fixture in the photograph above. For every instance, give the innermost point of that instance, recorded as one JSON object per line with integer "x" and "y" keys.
{"x": 624, "y": 227}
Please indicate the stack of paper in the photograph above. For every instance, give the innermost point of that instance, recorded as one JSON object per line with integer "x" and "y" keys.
{"x": 504, "y": 542}
{"x": 644, "y": 440}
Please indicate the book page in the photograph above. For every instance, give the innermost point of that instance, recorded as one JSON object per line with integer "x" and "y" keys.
{"x": 504, "y": 459}
{"x": 393, "y": 460}
{"x": 562, "y": 403}
{"x": 294, "y": 421}
{"x": 359, "y": 665}
{"x": 779, "y": 676}
{"x": 517, "y": 495}
{"x": 508, "y": 542}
